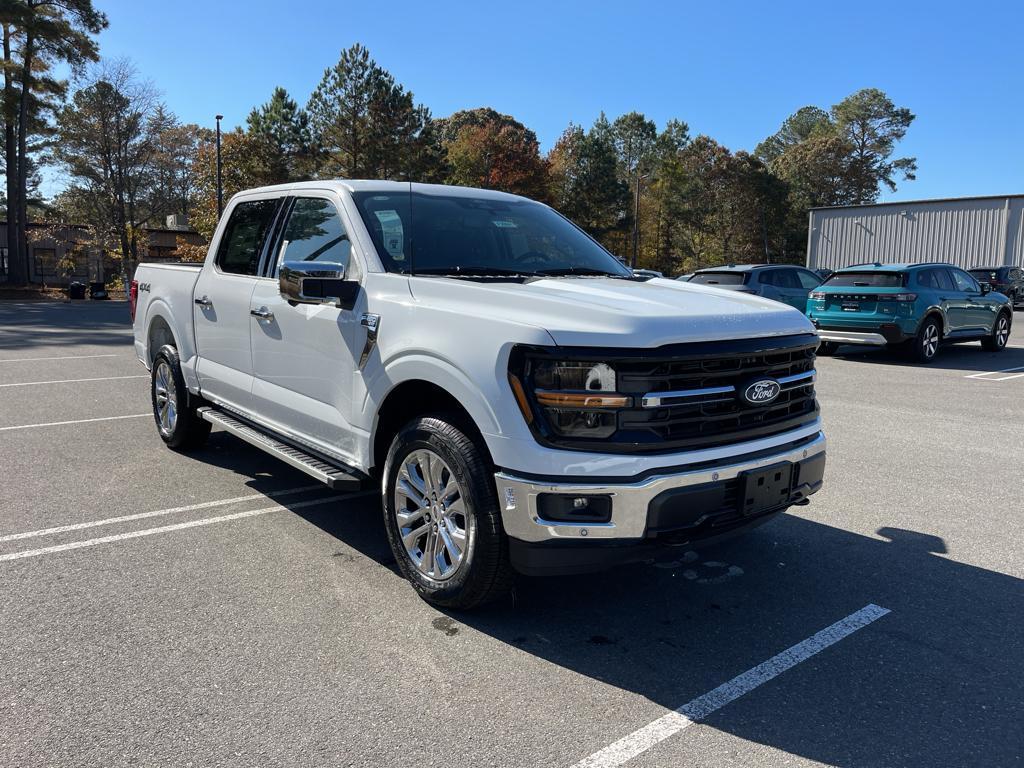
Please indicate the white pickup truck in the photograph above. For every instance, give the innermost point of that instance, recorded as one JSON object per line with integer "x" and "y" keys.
{"x": 523, "y": 401}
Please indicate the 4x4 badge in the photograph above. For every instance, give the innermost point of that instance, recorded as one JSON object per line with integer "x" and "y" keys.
{"x": 762, "y": 392}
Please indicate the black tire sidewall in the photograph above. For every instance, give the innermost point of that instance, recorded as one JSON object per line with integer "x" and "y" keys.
{"x": 918, "y": 348}
{"x": 189, "y": 429}
{"x": 991, "y": 343}
{"x": 485, "y": 536}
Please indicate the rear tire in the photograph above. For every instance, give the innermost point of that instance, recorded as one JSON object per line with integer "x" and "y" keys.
{"x": 441, "y": 515}
{"x": 174, "y": 410}
{"x": 925, "y": 347}
{"x": 996, "y": 341}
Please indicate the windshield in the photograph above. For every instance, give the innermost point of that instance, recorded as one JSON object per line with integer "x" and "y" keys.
{"x": 719, "y": 278}
{"x": 428, "y": 234}
{"x": 868, "y": 279}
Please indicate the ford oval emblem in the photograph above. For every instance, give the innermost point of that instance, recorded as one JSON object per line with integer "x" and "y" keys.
{"x": 762, "y": 392}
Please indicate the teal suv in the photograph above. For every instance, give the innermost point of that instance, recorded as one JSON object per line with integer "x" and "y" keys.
{"x": 918, "y": 306}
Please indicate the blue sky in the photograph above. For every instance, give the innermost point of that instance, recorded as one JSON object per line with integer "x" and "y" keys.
{"x": 731, "y": 70}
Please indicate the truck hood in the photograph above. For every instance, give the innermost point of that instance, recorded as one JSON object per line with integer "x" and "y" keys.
{"x": 609, "y": 312}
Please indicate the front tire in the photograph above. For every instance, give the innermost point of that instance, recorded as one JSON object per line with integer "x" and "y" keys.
{"x": 441, "y": 515}
{"x": 177, "y": 422}
{"x": 925, "y": 347}
{"x": 827, "y": 348}
{"x": 996, "y": 341}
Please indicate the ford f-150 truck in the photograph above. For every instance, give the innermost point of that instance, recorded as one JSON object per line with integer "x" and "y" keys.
{"x": 522, "y": 400}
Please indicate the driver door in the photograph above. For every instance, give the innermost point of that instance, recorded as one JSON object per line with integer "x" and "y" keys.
{"x": 304, "y": 355}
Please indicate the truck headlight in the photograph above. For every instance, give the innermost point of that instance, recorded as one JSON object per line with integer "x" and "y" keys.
{"x": 575, "y": 398}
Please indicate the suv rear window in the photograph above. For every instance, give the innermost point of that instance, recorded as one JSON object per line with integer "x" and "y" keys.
{"x": 868, "y": 279}
{"x": 984, "y": 275}
{"x": 720, "y": 278}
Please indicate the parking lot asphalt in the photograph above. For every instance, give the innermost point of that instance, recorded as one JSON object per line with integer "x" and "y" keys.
{"x": 220, "y": 609}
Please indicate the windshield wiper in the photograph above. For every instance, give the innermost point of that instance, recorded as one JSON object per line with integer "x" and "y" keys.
{"x": 473, "y": 272}
{"x": 588, "y": 271}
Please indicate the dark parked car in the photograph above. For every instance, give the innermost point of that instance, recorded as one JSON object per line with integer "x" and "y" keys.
{"x": 782, "y": 282}
{"x": 1008, "y": 281}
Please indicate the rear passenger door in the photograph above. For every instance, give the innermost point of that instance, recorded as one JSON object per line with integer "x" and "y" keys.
{"x": 305, "y": 355}
{"x": 978, "y": 307}
{"x": 221, "y": 303}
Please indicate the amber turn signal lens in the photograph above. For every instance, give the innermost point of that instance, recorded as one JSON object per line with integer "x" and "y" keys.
{"x": 524, "y": 404}
{"x": 582, "y": 400}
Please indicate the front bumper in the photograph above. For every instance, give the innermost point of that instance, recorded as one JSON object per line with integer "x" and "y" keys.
{"x": 678, "y": 506}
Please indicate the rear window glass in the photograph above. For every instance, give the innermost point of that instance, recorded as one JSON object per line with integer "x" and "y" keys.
{"x": 719, "y": 278}
{"x": 868, "y": 279}
{"x": 986, "y": 276}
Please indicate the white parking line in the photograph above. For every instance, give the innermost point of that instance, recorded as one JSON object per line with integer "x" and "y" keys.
{"x": 156, "y": 513}
{"x": 640, "y": 741}
{"x": 75, "y": 421}
{"x": 176, "y": 527}
{"x": 74, "y": 381}
{"x": 983, "y": 376}
{"x": 65, "y": 357}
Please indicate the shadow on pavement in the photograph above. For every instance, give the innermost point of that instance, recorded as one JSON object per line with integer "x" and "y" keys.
{"x": 936, "y": 682}
{"x": 968, "y": 356}
{"x": 31, "y": 324}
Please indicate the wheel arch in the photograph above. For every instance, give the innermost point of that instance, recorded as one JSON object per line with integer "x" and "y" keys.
{"x": 412, "y": 398}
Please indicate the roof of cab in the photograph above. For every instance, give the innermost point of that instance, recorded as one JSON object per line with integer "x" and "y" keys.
{"x": 370, "y": 185}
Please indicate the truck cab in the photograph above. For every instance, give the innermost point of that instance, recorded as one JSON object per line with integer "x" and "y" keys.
{"x": 523, "y": 402}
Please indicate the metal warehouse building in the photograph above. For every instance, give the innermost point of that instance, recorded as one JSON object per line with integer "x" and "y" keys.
{"x": 968, "y": 232}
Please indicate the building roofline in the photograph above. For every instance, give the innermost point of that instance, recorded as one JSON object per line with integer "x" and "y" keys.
{"x": 915, "y": 202}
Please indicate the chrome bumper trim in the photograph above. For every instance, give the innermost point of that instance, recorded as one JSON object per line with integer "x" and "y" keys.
{"x": 853, "y": 337}
{"x": 518, "y": 497}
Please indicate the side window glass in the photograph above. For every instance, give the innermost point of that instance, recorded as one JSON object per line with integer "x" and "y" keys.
{"x": 965, "y": 282}
{"x": 928, "y": 278}
{"x": 943, "y": 280}
{"x": 314, "y": 232}
{"x": 239, "y": 250}
{"x": 808, "y": 280}
{"x": 769, "y": 277}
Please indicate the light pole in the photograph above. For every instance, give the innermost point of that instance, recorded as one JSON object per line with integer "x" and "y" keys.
{"x": 220, "y": 189}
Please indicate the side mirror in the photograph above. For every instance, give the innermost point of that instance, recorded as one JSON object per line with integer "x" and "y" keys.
{"x": 315, "y": 282}
{"x": 985, "y": 288}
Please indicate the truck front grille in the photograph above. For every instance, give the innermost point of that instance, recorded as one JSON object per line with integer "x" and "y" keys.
{"x": 689, "y": 396}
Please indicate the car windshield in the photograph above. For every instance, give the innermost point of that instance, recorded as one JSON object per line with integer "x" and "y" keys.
{"x": 719, "y": 278}
{"x": 868, "y": 279}
{"x": 437, "y": 234}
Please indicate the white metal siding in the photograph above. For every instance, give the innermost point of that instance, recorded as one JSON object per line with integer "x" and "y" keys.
{"x": 968, "y": 232}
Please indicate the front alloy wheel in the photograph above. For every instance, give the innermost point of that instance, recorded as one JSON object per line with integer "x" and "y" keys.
{"x": 441, "y": 513}
{"x": 431, "y": 515}
{"x": 1000, "y": 334}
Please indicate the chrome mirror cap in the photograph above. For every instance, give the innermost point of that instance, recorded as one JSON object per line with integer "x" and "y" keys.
{"x": 311, "y": 282}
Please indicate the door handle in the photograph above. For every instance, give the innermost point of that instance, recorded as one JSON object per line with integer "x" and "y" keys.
{"x": 204, "y": 301}
{"x": 262, "y": 313}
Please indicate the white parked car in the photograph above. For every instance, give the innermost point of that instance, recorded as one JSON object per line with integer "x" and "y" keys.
{"x": 523, "y": 402}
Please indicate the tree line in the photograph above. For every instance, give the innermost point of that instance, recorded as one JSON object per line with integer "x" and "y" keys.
{"x": 657, "y": 197}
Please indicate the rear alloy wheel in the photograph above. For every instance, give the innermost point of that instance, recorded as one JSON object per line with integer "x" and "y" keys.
{"x": 926, "y": 346}
{"x": 996, "y": 342}
{"x": 173, "y": 409}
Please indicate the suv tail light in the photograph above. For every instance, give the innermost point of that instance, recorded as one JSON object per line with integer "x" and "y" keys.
{"x": 133, "y": 297}
{"x": 816, "y": 295}
{"x": 900, "y": 297}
